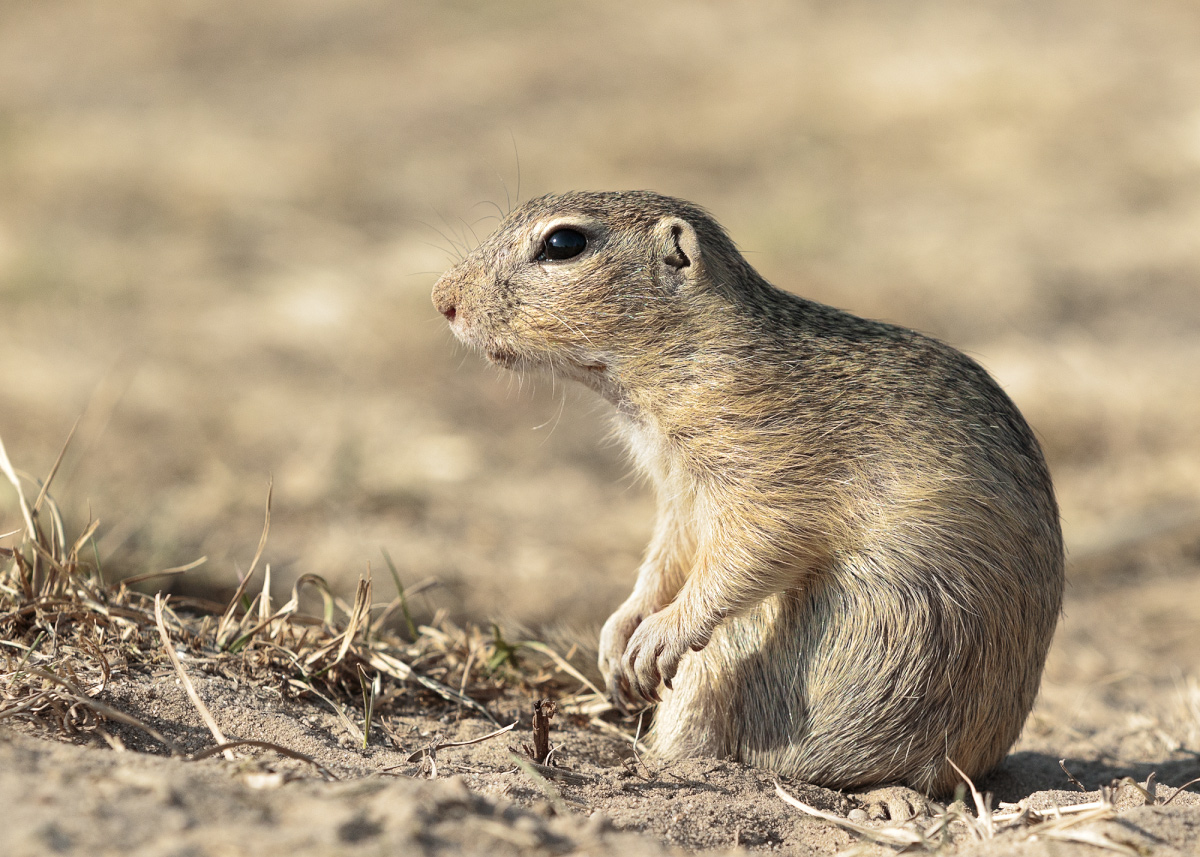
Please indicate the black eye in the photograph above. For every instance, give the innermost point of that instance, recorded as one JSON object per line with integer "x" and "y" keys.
{"x": 563, "y": 244}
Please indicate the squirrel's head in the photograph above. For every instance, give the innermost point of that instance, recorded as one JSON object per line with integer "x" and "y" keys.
{"x": 586, "y": 284}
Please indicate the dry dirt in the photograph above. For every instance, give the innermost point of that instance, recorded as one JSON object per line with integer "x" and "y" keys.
{"x": 219, "y": 223}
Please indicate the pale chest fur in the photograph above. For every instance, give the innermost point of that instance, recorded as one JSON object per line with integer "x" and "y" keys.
{"x": 657, "y": 459}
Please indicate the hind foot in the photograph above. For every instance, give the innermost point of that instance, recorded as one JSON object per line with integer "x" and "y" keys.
{"x": 891, "y": 803}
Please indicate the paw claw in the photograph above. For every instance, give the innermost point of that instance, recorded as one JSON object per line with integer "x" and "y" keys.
{"x": 639, "y": 656}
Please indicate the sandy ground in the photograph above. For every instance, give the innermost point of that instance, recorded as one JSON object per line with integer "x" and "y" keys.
{"x": 219, "y": 225}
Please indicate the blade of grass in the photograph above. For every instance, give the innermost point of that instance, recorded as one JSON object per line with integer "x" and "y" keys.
{"x": 350, "y": 725}
{"x": 547, "y": 789}
{"x": 169, "y": 648}
{"x": 360, "y": 617}
{"x": 166, "y": 572}
{"x": 7, "y": 469}
{"x": 28, "y": 654}
{"x": 412, "y": 628}
{"x": 227, "y": 619}
{"x": 37, "y": 504}
{"x": 264, "y": 600}
{"x": 370, "y": 693}
{"x": 82, "y": 540}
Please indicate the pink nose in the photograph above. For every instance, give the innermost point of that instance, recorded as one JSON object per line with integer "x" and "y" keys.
{"x": 449, "y": 312}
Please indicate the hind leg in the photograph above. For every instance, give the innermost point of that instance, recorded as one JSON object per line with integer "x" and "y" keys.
{"x": 713, "y": 698}
{"x": 693, "y": 718}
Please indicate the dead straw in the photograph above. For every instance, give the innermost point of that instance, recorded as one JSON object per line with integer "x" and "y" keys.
{"x": 74, "y": 634}
{"x": 201, "y": 708}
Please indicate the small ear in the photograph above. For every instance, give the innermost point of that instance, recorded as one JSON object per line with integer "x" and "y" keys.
{"x": 678, "y": 246}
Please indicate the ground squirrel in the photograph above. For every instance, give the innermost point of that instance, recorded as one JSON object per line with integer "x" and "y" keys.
{"x": 857, "y": 564}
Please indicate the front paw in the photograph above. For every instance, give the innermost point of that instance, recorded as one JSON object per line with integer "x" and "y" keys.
{"x": 614, "y": 637}
{"x": 654, "y": 651}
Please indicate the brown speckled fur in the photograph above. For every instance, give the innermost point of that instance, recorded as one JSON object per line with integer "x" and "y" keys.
{"x": 857, "y": 566}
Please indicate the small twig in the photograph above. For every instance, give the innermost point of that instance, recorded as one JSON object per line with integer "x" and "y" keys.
{"x": 543, "y": 712}
{"x": 1095, "y": 838}
{"x": 442, "y": 745}
{"x": 563, "y": 775}
{"x": 26, "y": 703}
{"x": 637, "y": 736}
{"x": 1062, "y": 763}
{"x": 429, "y": 752}
{"x": 1041, "y": 815}
{"x": 397, "y": 668}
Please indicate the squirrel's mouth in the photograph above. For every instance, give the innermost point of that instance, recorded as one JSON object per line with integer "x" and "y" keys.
{"x": 502, "y": 357}
{"x": 509, "y": 359}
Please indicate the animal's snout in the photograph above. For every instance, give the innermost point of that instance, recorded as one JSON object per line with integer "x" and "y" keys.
{"x": 445, "y": 299}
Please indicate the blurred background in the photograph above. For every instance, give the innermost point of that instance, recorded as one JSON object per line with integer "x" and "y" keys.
{"x": 220, "y": 223}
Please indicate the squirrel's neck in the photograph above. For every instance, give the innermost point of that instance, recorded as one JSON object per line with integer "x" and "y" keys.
{"x": 675, "y": 375}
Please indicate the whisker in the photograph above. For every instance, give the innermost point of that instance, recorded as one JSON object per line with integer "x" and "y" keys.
{"x": 517, "y": 157}
{"x": 499, "y": 211}
{"x": 458, "y": 245}
{"x": 472, "y": 230}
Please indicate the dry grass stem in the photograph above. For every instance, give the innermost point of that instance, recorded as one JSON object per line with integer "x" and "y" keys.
{"x": 7, "y": 469}
{"x": 66, "y": 634}
{"x": 984, "y": 826}
{"x": 1177, "y": 791}
{"x": 899, "y": 836}
{"x": 563, "y": 664}
{"x": 201, "y": 708}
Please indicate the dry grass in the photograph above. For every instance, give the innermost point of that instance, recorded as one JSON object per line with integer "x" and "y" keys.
{"x": 1072, "y": 823}
{"x": 66, "y": 634}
